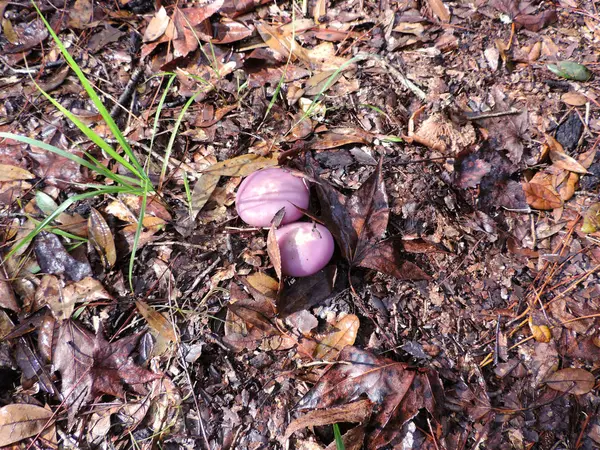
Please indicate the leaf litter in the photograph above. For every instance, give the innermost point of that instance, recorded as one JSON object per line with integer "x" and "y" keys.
{"x": 450, "y": 150}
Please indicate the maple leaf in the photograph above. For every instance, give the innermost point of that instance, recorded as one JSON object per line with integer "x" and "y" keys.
{"x": 359, "y": 224}
{"x": 91, "y": 366}
{"x": 396, "y": 391}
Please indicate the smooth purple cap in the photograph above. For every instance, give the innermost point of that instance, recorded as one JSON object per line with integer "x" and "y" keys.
{"x": 305, "y": 248}
{"x": 266, "y": 191}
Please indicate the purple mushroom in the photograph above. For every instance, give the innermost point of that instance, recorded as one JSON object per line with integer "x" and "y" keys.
{"x": 305, "y": 248}
{"x": 266, "y": 191}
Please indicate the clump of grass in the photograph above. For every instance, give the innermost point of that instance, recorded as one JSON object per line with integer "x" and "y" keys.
{"x": 136, "y": 183}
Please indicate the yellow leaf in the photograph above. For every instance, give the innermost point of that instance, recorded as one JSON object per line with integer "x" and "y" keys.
{"x": 13, "y": 173}
{"x": 541, "y": 333}
{"x": 159, "y": 323}
{"x": 333, "y": 344}
{"x": 591, "y": 219}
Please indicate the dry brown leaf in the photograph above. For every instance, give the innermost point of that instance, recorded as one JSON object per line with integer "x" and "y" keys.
{"x": 80, "y": 14}
{"x": 102, "y": 238}
{"x": 274, "y": 253}
{"x": 14, "y": 173}
{"x": 574, "y": 99}
{"x": 203, "y": 189}
{"x": 560, "y": 159}
{"x": 573, "y": 381}
{"x": 263, "y": 283}
{"x": 284, "y": 45}
{"x": 440, "y": 10}
{"x": 541, "y": 197}
{"x": 332, "y": 344}
{"x": 351, "y": 412}
{"x": 242, "y": 166}
{"x": 157, "y": 321}
{"x": 157, "y": 26}
{"x": 20, "y": 421}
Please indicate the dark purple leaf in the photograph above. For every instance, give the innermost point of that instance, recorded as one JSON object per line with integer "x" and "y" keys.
{"x": 53, "y": 258}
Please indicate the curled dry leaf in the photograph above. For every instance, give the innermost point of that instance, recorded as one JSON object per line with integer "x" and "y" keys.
{"x": 102, "y": 238}
{"x": 157, "y": 26}
{"x": 541, "y": 333}
{"x": 573, "y": 381}
{"x": 352, "y": 412}
{"x": 561, "y": 159}
{"x": 283, "y": 44}
{"x": 20, "y": 421}
{"x": 541, "y": 197}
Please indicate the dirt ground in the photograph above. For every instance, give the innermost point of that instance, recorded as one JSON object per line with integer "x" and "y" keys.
{"x": 451, "y": 148}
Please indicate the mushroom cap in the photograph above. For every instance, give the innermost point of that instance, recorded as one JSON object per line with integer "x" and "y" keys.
{"x": 266, "y": 191}
{"x": 305, "y": 248}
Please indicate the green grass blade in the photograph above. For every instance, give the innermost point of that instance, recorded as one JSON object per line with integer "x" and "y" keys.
{"x": 159, "y": 109}
{"x": 94, "y": 97}
{"x": 169, "y": 148}
{"x": 94, "y": 137}
{"x": 339, "y": 443}
{"x": 96, "y": 167}
{"x": 63, "y": 207}
{"x": 136, "y": 238}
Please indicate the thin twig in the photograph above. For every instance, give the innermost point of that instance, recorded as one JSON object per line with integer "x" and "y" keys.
{"x": 396, "y": 73}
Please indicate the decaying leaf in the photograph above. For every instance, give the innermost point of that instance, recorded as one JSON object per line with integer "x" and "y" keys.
{"x": 573, "y": 381}
{"x": 90, "y": 366}
{"x": 157, "y": 321}
{"x": 541, "y": 197}
{"x": 102, "y": 238}
{"x": 540, "y": 332}
{"x": 332, "y": 344}
{"x": 591, "y": 219}
{"x": 53, "y": 258}
{"x": 353, "y": 412}
{"x": 397, "y": 392}
{"x": 20, "y": 421}
{"x": 306, "y": 291}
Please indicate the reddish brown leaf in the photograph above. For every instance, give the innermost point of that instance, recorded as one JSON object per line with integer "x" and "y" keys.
{"x": 90, "y": 366}
{"x": 369, "y": 211}
{"x": 396, "y": 391}
{"x": 537, "y": 21}
{"x": 227, "y": 31}
{"x": 573, "y": 381}
{"x": 541, "y": 197}
{"x": 385, "y": 257}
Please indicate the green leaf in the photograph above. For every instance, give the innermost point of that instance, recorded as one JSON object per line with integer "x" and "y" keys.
{"x": 570, "y": 70}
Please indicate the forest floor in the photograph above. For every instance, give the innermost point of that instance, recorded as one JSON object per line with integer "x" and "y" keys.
{"x": 451, "y": 148}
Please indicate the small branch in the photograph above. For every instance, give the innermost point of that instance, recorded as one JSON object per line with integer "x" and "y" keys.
{"x": 396, "y": 73}
{"x": 131, "y": 85}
